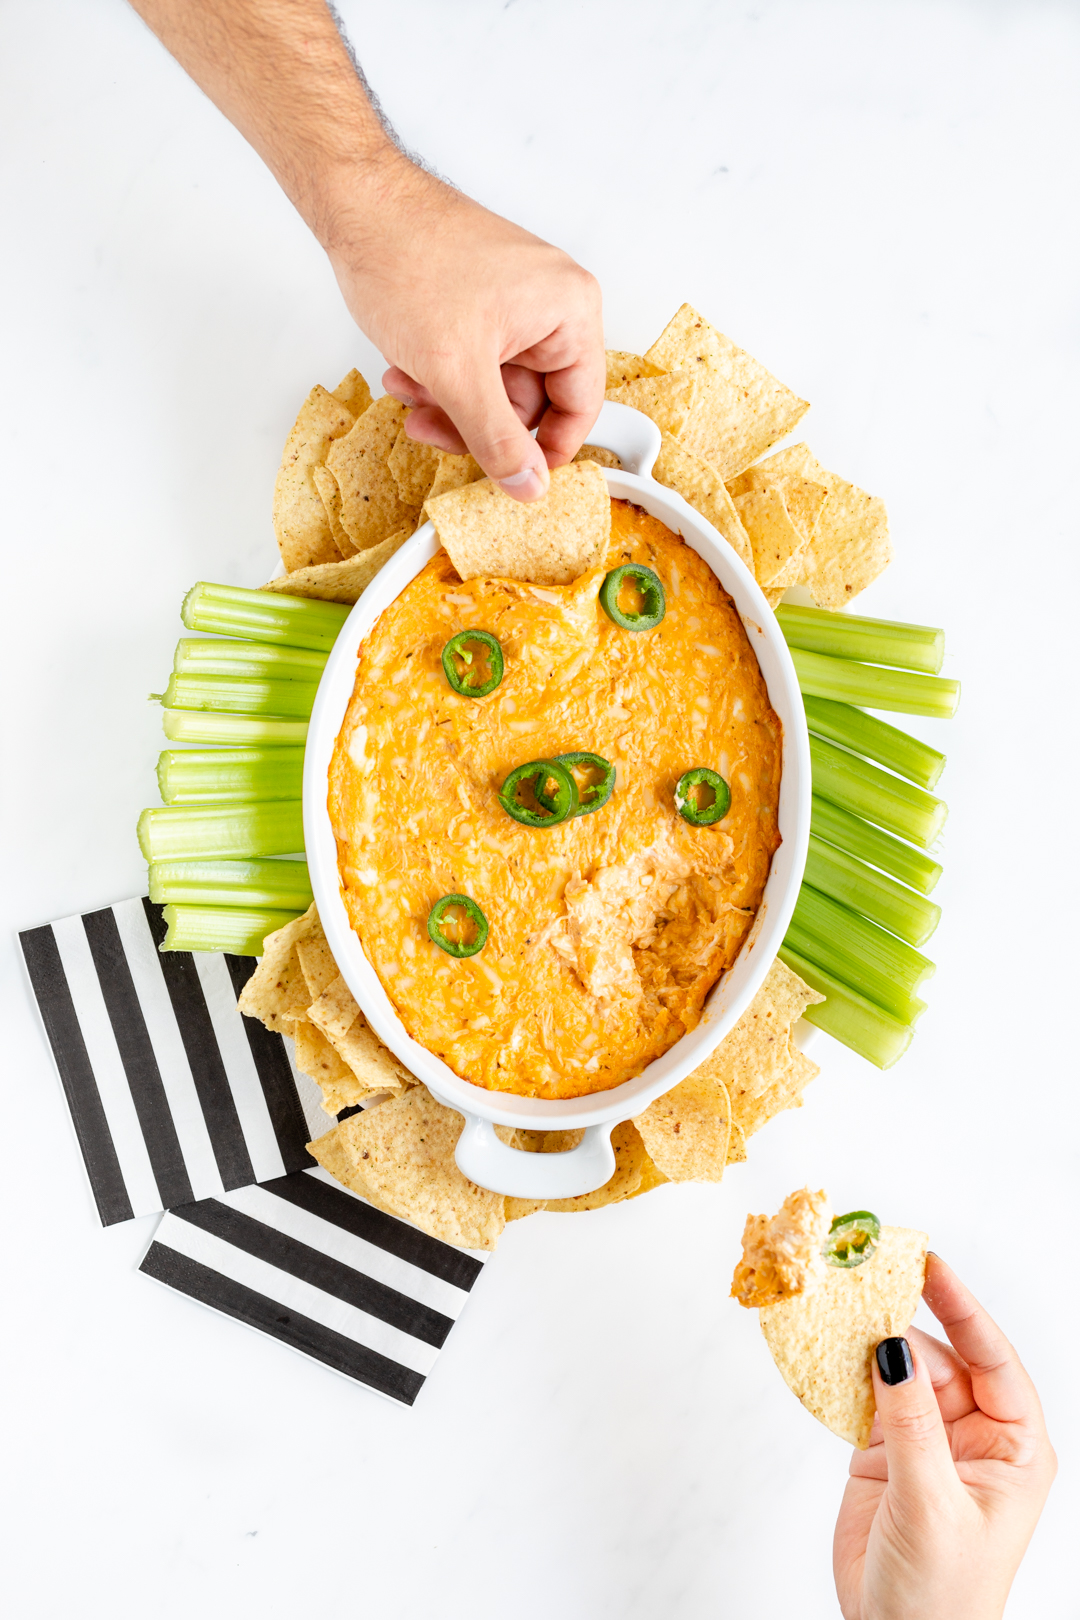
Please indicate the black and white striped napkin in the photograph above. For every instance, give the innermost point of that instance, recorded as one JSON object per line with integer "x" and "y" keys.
{"x": 181, "y": 1104}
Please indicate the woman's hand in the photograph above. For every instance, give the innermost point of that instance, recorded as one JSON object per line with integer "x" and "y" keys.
{"x": 939, "y": 1510}
{"x": 492, "y": 332}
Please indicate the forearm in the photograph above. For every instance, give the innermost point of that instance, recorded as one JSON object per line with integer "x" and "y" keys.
{"x": 280, "y": 72}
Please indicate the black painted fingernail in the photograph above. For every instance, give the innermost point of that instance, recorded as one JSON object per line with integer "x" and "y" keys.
{"x": 894, "y": 1361}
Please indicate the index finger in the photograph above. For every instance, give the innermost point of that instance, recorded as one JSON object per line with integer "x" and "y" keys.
{"x": 999, "y": 1383}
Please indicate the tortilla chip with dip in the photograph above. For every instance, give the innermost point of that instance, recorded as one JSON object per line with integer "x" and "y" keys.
{"x": 371, "y": 504}
{"x": 550, "y": 541}
{"x": 400, "y": 1156}
{"x": 740, "y": 408}
{"x": 303, "y": 531}
{"x": 823, "y": 1321}
{"x": 849, "y": 547}
{"x": 341, "y": 581}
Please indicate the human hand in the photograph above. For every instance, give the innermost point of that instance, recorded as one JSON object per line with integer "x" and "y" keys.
{"x": 491, "y": 331}
{"x": 939, "y": 1509}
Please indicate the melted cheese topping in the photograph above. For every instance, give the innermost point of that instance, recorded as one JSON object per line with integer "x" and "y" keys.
{"x": 607, "y": 932}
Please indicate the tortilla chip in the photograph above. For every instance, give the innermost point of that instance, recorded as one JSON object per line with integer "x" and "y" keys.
{"x": 778, "y": 545}
{"x": 703, "y": 489}
{"x": 340, "y": 1020}
{"x": 651, "y": 1178}
{"x": 754, "y": 1111}
{"x": 316, "y": 1058}
{"x": 277, "y": 988}
{"x": 758, "y": 1051}
{"x": 850, "y": 546}
{"x": 330, "y": 495}
{"x": 602, "y": 457}
{"x": 775, "y": 597}
{"x": 686, "y": 1132}
{"x": 400, "y": 1156}
{"x": 736, "y": 1152}
{"x": 668, "y": 398}
{"x": 371, "y": 507}
{"x": 782, "y": 1255}
{"x": 341, "y": 581}
{"x": 413, "y": 466}
{"x": 823, "y": 1340}
{"x": 630, "y": 1156}
{"x": 454, "y": 472}
{"x": 353, "y": 392}
{"x": 302, "y": 528}
{"x": 804, "y": 499}
{"x": 623, "y": 368}
{"x": 316, "y": 962}
{"x": 550, "y": 541}
{"x": 740, "y": 409}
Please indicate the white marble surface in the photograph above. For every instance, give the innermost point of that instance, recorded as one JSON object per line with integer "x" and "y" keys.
{"x": 878, "y": 199}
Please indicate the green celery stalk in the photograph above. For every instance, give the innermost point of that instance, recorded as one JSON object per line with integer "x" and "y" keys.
{"x": 870, "y": 844}
{"x": 870, "y": 893}
{"x": 220, "y": 928}
{"x": 247, "y": 660}
{"x": 849, "y": 1017}
{"x": 229, "y": 775}
{"x": 817, "y": 914}
{"x": 864, "y": 734}
{"x": 870, "y": 641}
{"x": 202, "y": 726}
{"x": 259, "y": 885}
{"x": 855, "y": 975}
{"x": 191, "y": 832}
{"x": 871, "y": 687}
{"x": 856, "y": 785}
{"x": 284, "y": 699}
{"x": 228, "y": 610}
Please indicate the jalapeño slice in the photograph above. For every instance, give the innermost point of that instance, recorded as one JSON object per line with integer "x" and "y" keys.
{"x": 466, "y": 646}
{"x": 649, "y": 589}
{"x": 852, "y": 1238}
{"x": 474, "y": 923}
{"x": 688, "y": 803}
{"x": 593, "y": 795}
{"x": 540, "y": 794}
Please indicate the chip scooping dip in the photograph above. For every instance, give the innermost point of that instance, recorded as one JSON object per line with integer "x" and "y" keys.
{"x": 829, "y": 1289}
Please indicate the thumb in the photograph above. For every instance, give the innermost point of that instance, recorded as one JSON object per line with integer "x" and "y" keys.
{"x": 480, "y": 409}
{"x": 916, "y": 1445}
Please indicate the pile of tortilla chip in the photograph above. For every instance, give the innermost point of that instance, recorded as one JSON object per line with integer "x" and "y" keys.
{"x": 398, "y": 1151}
{"x": 823, "y": 1322}
{"x": 353, "y": 486}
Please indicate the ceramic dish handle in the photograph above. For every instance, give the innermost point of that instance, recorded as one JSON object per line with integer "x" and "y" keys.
{"x": 490, "y": 1163}
{"x": 633, "y": 437}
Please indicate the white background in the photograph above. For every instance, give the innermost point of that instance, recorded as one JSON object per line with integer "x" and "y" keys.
{"x": 877, "y": 199}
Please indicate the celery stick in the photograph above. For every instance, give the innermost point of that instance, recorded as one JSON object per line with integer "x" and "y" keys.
{"x": 864, "y": 734}
{"x": 229, "y": 775}
{"x": 227, "y": 610}
{"x": 870, "y": 844}
{"x": 277, "y": 885}
{"x": 191, "y": 832}
{"x": 870, "y": 893}
{"x": 285, "y": 699}
{"x": 855, "y": 975}
{"x": 872, "y": 687}
{"x": 871, "y": 641}
{"x": 817, "y": 914}
{"x": 850, "y": 1018}
{"x": 201, "y": 726}
{"x": 247, "y": 660}
{"x": 856, "y": 785}
{"x": 220, "y": 928}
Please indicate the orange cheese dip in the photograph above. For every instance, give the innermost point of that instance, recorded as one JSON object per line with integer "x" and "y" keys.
{"x": 608, "y": 931}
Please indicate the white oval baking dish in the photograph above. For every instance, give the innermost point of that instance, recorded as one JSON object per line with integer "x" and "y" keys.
{"x": 480, "y": 1154}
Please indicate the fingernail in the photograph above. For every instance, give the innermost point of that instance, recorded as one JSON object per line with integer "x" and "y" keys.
{"x": 894, "y": 1361}
{"x": 404, "y": 399}
{"x": 526, "y": 485}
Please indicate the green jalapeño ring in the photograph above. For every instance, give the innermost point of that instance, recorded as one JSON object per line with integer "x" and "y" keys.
{"x": 686, "y": 801}
{"x": 594, "y": 795}
{"x": 458, "y": 647}
{"x": 852, "y": 1238}
{"x": 554, "y": 792}
{"x": 652, "y": 597}
{"x": 473, "y": 914}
